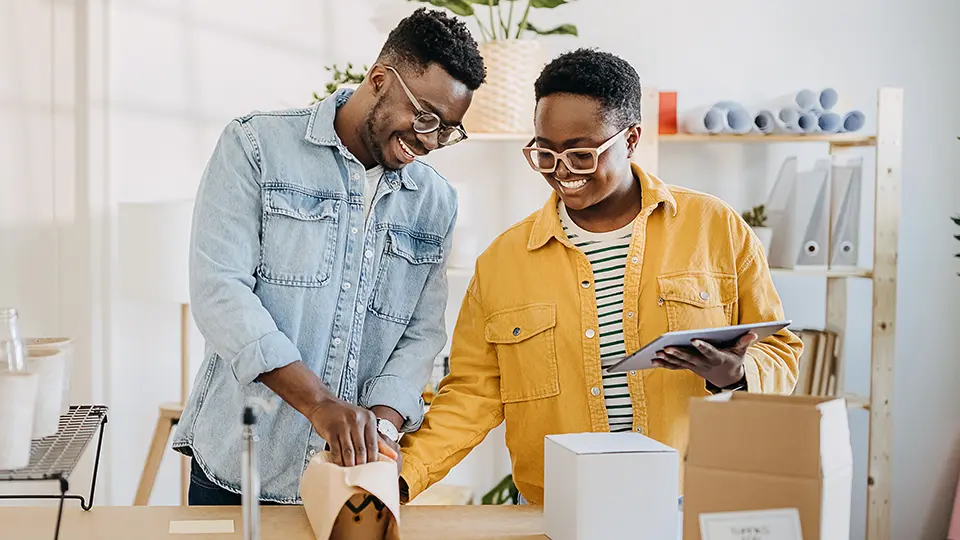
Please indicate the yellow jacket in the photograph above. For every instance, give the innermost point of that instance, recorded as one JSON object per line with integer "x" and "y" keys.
{"x": 693, "y": 263}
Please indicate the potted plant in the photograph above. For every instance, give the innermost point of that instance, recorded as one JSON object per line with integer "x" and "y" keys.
{"x": 504, "y": 104}
{"x": 341, "y": 79}
{"x": 956, "y": 220}
{"x": 756, "y": 218}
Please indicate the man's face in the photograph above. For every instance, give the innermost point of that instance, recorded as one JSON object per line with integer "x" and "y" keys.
{"x": 564, "y": 121}
{"x": 388, "y": 129}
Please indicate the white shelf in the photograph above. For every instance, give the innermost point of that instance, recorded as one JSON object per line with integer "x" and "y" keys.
{"x": 826, "y": 273}
{"x": 841, "y": 139}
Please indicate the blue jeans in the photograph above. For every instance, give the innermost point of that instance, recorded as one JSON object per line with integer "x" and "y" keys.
{"x": 204, "y": 492}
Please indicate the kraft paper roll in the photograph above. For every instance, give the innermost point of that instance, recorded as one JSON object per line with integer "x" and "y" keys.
{"x": 18, "y": 395}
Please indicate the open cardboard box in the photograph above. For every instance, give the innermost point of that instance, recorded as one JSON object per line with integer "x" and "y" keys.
{"x": 761, "y": 451}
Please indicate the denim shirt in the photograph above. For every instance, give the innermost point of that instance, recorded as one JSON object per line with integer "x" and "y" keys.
{"x": 285, "y": 267}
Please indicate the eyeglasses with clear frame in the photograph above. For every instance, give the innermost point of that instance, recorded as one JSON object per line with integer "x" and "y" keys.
{"x": 427, "y": 122}
{"x": 577, "y": 160}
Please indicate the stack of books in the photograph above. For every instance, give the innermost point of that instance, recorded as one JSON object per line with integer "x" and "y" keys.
{"x": 819, "y": 369}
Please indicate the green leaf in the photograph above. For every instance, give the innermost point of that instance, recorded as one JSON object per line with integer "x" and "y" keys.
{"x": 459, "y": 7}
{"x": 486, "y": 2}
{"x": 563, "y": 29}
{"x": 548, "y": 4}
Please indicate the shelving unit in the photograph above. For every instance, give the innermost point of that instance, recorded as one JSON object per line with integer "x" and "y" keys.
{"x": 55, "y": 457}
{"x": 887, "y": 145}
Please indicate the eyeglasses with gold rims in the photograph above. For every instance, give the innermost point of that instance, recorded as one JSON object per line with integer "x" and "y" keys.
{"x": 427, "y": 122}
{"x": 577, "y": 160}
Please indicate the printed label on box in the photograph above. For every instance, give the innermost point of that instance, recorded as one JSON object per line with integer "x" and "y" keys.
{"x": 778, "y": 524}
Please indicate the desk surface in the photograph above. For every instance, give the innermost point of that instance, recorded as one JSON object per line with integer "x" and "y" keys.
{"x": 277, "y": 523}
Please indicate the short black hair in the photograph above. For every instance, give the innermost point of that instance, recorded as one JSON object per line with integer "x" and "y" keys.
{"x": 605, "y": 77}
{"x": 431, "y": 36}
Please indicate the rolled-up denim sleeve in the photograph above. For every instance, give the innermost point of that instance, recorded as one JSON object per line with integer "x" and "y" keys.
{"x": 401, "y": 382}
{"x": 224, "y": 254}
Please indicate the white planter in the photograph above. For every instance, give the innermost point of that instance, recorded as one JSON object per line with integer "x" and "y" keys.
{"x": 765, "y": 234}
{"x": 18, "y": 396}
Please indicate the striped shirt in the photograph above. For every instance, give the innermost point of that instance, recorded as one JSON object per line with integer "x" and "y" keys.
{"x": 607, "y": 253}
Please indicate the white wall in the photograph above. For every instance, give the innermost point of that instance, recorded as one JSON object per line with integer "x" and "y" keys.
{"x": 161, "y": 78}
{"x": 46, "y": 249}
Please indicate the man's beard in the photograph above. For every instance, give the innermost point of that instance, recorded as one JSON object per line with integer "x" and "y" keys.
{"x": 374, "y": 119}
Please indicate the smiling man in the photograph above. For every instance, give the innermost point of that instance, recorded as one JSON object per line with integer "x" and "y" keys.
{"x": 614, "y": 259}
{"x": 317, "y": 267}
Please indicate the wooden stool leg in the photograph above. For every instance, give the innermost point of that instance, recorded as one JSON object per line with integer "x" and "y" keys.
{"x": 184, "y": 480}
{"x": 154, "y": 456}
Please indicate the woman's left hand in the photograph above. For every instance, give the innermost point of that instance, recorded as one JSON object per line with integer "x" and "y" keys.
{"x": 721, "y": 367}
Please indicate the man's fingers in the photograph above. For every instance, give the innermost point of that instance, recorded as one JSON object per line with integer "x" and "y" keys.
{"x": 744, "y": 343}
{"x": 670, "y": 359}
{"x": 386, "y": 449}
{"x": 347, "y": 452}
{"x": 335, "y": 454}
{"x": 689, "y": 356}
{"x": 371, "y": 438}
{"x": 711, "y": 355}
{"x": 358, "y": 435}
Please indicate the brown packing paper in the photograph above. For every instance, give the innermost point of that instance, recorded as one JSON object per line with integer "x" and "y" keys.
{"x": 352, "y": 503}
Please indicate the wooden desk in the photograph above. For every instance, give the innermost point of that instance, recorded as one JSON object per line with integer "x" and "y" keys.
{"x": 474, "y": 522}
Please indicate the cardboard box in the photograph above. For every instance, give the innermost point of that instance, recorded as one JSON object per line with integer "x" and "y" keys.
{"x": 610, "y": 485}
{"x": 759, "y": 451}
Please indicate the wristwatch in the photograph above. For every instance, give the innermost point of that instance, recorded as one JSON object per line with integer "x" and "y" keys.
{"x": 387, "y": 429}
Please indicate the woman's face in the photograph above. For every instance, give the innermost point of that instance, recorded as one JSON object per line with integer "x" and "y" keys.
{"x": 564, "y": 121}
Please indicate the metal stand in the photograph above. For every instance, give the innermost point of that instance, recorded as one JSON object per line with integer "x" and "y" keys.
{"x": 54, "y": 457}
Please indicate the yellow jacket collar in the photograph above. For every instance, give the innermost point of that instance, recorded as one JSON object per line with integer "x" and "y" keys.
{"x": 547, "y": 225}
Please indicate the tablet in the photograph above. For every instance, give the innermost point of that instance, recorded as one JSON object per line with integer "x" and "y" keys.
{"x": 724, "y": 336}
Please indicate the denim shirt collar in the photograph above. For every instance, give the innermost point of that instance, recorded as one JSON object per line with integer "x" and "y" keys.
{"x": 321, "y": 131}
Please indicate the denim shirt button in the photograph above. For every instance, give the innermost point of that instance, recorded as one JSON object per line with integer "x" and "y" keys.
{"x": 360, "y": 308}
{"x": 346, "y": 285}
{"x": 337, "y": 341}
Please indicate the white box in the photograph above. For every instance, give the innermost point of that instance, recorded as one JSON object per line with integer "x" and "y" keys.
{"x": 610, "y": 485}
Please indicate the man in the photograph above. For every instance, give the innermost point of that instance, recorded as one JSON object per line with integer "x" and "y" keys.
{"x": 614, "y": 259}
{"x": 317, "y": 262}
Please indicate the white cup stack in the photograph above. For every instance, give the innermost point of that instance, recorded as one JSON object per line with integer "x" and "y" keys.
{"x": 18, "y": 399}
{"x": 65, "y": 345}
{"x": 49, "y": 364}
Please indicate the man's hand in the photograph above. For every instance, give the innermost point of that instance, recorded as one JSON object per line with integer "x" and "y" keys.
{"x": 396, "y": 450}
{"x": 351, "y": 432}
{"x": 722, "y": 367}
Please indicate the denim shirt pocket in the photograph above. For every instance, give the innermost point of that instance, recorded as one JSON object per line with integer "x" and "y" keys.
{"x": 299, "y": 237}
{"x": 407, "y": 259}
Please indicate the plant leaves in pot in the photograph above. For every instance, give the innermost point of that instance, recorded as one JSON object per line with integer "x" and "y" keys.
{"x": 513, "y": 58}
{"x": 756, "y": 218}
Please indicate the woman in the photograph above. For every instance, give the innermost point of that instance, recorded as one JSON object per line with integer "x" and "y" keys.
{"x": 614, "y": 259}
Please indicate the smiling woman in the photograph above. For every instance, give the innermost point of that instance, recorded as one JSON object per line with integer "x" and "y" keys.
{"x": 613, "y": 259}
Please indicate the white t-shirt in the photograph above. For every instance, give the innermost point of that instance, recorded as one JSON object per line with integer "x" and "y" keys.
{"x": 370, "y": 187}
